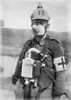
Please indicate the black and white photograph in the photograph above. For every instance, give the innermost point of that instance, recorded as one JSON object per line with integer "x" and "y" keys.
{"x": 35, "y": 49}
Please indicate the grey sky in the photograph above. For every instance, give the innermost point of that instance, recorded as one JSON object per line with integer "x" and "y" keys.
{"x": 16, "y": 13}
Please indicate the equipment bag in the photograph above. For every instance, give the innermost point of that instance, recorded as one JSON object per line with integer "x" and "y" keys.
{"x": 37, "y": 69}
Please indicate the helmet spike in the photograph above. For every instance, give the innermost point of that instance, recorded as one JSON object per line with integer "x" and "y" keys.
{"x": 39, "y": 5}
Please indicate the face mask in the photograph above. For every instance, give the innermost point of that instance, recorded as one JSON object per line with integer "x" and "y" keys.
{"x": 38, "y": 30}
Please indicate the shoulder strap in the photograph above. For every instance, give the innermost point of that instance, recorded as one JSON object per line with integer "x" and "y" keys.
{"x": 56, "y": 41}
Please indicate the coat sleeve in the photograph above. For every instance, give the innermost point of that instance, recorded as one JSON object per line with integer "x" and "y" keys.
{"x": 59, "y": 85}
{"x": 17, "y": 73}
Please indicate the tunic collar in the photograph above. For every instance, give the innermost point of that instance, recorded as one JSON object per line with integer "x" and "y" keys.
{"x": 42, "y": 41}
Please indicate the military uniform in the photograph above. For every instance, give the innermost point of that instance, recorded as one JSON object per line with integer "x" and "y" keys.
{"x": 48, "y": 74}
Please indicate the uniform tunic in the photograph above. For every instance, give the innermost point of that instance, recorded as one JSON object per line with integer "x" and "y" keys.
{"x": 50, "y": 47}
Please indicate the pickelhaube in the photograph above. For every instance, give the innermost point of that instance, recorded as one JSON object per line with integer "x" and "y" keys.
{"x": 40, "y": 13}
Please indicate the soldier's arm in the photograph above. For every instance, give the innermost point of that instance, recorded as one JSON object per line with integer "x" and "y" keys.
{"x": 17, "y": 73}
{"x": 60, "y": 67}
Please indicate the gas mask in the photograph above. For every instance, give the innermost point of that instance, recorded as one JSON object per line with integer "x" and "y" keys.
{"x": 38, "y": 30}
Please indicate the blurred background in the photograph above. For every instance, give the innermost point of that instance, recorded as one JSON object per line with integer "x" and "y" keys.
{"x": 15, "y": 30}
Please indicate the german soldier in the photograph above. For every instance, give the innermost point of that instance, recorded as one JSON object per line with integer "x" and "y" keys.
{"x": 41, "y": 65}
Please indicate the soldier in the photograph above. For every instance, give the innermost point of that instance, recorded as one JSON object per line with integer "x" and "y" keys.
{"x": 41, "y": 65}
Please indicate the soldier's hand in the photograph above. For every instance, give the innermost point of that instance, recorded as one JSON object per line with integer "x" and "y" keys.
{"x": 14, "y": 87}
{"x": 18, "y": 87}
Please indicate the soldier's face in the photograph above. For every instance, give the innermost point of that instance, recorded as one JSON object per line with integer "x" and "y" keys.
{"x": 38, "y": 27}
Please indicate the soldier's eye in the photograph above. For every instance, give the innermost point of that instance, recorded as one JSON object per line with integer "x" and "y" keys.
{"x": 38, "y": 23}
{"x": 35, "y": 23}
